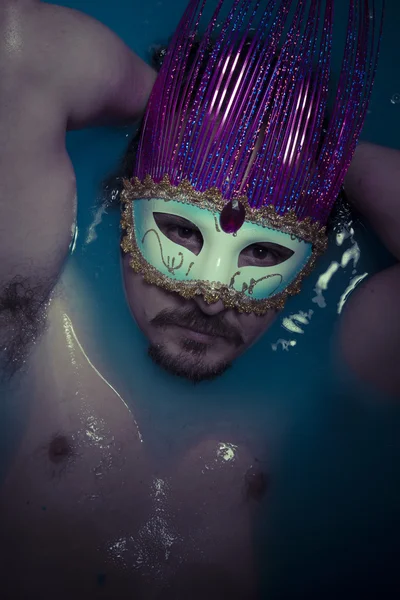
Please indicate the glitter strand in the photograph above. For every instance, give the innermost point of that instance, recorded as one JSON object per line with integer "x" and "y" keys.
{"x": 240, "y": 102}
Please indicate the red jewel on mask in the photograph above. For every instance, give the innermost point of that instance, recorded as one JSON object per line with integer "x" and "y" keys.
{"x": 232, "y": 216}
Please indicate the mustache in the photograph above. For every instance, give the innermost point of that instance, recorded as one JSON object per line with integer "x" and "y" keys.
{"x": 194, "y": 319}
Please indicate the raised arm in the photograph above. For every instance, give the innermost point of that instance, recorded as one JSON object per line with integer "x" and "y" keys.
{"x": 370, "y": 328}
{"x": 58, "y": 68}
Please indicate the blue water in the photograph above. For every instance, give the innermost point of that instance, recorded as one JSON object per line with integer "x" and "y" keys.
{"x": 331, "y": 521}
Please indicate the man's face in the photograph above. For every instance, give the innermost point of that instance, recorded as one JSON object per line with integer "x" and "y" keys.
{"x": 190, "y": 338}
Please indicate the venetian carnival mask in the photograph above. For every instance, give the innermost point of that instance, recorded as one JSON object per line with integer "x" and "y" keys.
{"x": 235, "y": 177}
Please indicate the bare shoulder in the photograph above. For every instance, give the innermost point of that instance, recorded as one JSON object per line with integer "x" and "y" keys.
{"x": 88, "y": 70}
{"x": 58, "y": 68}
{"x": 370, "y": 332}
{"x": 370, "y": 325}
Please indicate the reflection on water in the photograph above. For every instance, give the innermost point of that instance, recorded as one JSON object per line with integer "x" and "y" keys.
{"x": 295, "y": 321}
{"x": 72, "y": 341}
{"x": 283, "y": 344}
{"x": 350, "y": 288}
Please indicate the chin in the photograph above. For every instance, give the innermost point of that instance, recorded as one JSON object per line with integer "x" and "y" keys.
{"x": 191, "y": 364}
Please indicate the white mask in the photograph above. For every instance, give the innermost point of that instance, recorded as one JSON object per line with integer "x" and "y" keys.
{"x": 181, "y": 247}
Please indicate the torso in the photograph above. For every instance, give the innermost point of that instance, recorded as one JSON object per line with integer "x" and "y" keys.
{"x": 86, "y": 508}
{"x": 87, "y": 511}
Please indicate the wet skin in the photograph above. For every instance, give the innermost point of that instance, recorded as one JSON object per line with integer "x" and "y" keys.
{"x": 80, "y": 479}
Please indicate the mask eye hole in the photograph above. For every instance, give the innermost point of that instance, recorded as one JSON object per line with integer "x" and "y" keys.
{"x": 264, "y": 254}
{"x": 180, "y": 231}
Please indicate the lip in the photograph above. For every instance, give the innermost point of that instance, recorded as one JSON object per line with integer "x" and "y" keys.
{"x": 204, "y": 338}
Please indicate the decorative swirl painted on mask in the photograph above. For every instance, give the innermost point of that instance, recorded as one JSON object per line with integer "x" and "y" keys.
{"x": 232, "y": 281}
{"x": 253, "y": 282}
{"x": 249, "y": 288}
{"x": 217, "y": 229}
{"x": 188, "y": 271}
{"x": 169, "y": 264}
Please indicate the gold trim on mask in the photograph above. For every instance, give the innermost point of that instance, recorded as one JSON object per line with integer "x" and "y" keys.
{"x": 213, "y": 291}
{"x": 266, "y": 216}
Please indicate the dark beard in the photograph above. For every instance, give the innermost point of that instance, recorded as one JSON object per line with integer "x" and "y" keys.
{"x": 193, "y": 318}
{"x": 194, "y": 371}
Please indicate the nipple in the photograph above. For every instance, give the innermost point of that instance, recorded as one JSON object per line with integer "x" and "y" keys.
{"x": 60, "y": 449}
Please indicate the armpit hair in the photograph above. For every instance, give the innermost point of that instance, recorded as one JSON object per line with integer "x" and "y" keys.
{"x": 22, "y": 321}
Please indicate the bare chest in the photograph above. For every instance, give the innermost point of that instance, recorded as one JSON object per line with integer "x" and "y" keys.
{"x": 87, "y": 512}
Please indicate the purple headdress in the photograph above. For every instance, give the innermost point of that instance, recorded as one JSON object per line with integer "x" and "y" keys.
{"x": 239, "y": 109}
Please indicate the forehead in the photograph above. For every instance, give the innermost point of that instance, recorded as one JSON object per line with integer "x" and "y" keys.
{"x": 208, "y": 222}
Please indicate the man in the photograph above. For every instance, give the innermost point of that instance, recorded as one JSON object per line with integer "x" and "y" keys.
{"x": 220, "y": 144}
{"x": 86, "y": 510}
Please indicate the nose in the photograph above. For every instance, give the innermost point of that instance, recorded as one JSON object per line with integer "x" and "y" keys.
{"x": 209, "y": 309}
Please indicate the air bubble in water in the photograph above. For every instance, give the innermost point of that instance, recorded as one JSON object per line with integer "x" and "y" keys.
{"x": 395, "y": 99}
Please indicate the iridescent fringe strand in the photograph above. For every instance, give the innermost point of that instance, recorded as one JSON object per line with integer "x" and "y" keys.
{"x": 247, "y": 116}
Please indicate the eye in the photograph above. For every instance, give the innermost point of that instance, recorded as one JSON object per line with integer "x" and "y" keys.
{"x": 264, "y": 254}
{"x": 180, "y": 231}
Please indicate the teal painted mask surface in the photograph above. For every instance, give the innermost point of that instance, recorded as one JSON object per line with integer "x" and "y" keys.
{"x": 186, "y": 243}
